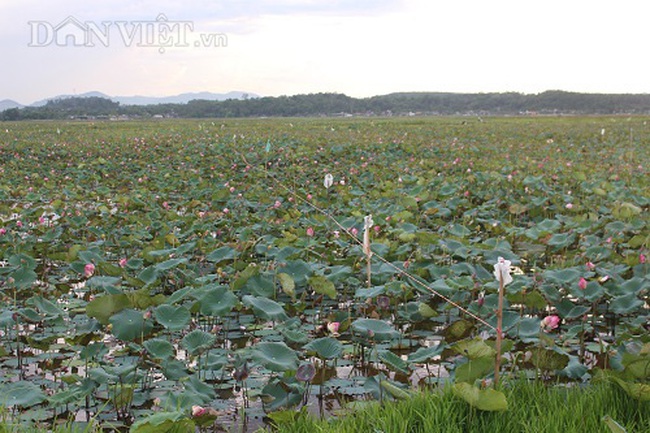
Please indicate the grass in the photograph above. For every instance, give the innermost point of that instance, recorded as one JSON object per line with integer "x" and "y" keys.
{"x": 533, "y": 408}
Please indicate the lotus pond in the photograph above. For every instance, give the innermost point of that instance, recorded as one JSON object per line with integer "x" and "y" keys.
{"x": 211, "y": 274}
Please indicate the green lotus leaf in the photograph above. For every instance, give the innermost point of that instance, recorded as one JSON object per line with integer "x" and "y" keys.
{"x": 217, "y": 301}
{"x": 325, "y": 348}
{"x": 21, "y": 394}
{"x": 425, "y": 354}
{"x": 172, "y": 318}
{"x": 164, "y": 422}
{"x": 322, "y": 286}
{"x": 159, "y": 348}
{"x": 625, "y": 304}
{"x": 109, "y": 284}
{"x": 287, "y": 283}
{"x": 129, "y": 325}
{"x": 473, "y": 349}
{"x": 23, "y": 278}
{"x": 103, "y": 307}
{"x": 374, "y": 329}
{"x": 170, "y": 264}
{"x": 222, "y": 254}
{"x": 198, "y": 341}
{"x": 275, "y": 356}
{"x": 474, "y": 369}
{"x": 394, "y": 362}
{"x": 260, "y": 285}
{"x": 265, "y": 308}
{"x": 482, "y": 399}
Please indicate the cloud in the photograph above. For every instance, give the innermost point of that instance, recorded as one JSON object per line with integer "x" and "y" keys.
{"x": 361, "y": 48}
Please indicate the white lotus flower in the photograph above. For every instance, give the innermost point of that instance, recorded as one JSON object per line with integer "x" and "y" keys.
{"x": 502, "y": 271}
{"x": 329, "y": 180}
{"x": 367, "y": 225}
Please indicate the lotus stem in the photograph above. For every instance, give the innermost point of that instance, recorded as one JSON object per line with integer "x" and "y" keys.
{"x": 497, "y": 362}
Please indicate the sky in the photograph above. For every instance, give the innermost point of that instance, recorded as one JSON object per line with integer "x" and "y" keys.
{"x": 360, "y": 48}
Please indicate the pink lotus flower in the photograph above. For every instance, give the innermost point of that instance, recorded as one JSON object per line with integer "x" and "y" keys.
{"x": 642, "y": 258}
{"x": 590, "y": 266}
{"x": 89, "y": 270}
{"x": 569, "y": 206}
{"x": 582, "y": 283}
{"x": 277, "y": 204}
{"x": 3, "y": 231}
{"x": 354, "y": 231}
{"x": 198, "y": 410}
{"x": 309, "y": 196}
{"x": 550, "y": 322}
{"x": 122, "y": 262}
{"x": 333, "y": 328}
{"x": 310, "y": 232}
{"x": 19, "y": 223}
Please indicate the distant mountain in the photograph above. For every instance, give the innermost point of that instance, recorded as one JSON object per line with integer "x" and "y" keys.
{"x": 181, "y": 99}
{"x": 152, "y": 100}
{"x": 6, "y": 104}
{"x": 81, "y": 95}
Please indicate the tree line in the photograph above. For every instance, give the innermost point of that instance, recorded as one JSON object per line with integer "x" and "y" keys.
{"x": 333, "y": 104}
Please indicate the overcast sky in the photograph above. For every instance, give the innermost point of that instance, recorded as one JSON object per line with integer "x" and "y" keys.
{"x": 285, "y": 47}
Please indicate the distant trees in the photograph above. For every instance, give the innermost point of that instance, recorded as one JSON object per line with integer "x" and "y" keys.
{"x": 328, "y": 104}
{"x": 10, "y": 114}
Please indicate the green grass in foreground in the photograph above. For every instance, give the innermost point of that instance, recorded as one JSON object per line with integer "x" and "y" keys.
{"x": 533, "y": 407}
